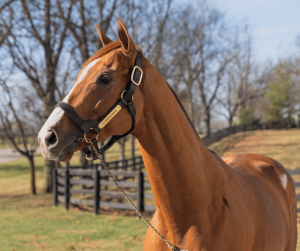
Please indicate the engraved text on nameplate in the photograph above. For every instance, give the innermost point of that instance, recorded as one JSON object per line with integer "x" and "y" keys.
{"x": 110, "y": 116}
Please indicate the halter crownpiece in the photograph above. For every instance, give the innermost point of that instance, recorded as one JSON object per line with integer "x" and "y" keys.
{"x": 96, "y": 126}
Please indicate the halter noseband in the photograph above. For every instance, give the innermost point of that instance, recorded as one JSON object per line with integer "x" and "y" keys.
{"x": 96, "y": 126}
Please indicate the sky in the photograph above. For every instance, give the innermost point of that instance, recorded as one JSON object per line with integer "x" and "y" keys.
{"x": 275, "y": 24}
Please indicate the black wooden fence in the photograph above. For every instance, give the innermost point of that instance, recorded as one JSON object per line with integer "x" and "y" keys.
{"x": 93, "y": 186}
{"x": 217, "y": 136}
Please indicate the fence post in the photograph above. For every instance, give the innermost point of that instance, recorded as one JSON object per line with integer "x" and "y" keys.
{"x": 67, "y": 188}
{"x": 140, "y": 191}
{"x": 54, "y": 175}
{"x": 132, "y": 153}
{"x": 96, "y": 190}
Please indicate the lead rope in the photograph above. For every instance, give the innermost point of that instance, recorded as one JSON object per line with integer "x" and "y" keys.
{"x": 170, "y": 245}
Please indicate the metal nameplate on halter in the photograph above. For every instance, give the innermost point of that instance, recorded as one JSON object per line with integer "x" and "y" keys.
{"x": 110, "y": 116}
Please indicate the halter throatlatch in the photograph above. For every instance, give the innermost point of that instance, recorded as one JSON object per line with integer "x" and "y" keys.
{"x": 96, "y": 126}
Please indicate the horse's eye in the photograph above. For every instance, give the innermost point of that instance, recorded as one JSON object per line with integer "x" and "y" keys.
{"x": 103, "y": 79}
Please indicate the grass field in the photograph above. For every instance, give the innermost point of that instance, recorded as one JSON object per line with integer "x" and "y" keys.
{"x": 282, "y": 145}
{"x": 32, "y": 223}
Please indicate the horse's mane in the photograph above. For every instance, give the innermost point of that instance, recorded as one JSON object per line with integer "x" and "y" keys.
{"x": 182, "y": 108}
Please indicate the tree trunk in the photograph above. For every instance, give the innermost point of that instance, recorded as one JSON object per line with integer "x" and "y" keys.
{"x": 230, "y": 120}
{"x": 191, "y": 105}
{"x": 48, "y": 182}
{"x": 48, "y": 164}
{"x": 32, "y": 175}
{"x": 207, "y": 123}
{"x": 238, "y": 115}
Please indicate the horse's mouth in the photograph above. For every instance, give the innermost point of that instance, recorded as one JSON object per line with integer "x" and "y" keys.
{"x": 67, "y": 153}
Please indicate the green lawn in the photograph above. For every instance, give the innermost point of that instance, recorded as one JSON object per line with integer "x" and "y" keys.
{"x": 281, "y": 145}
{"x": 32, "y": 223}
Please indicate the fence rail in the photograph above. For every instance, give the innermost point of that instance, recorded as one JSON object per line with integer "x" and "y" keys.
{"x": 18, "y": 139}
{"x": 217, "y": 136}
{"x": 93, "y": 187}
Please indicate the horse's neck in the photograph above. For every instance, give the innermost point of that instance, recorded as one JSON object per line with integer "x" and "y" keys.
{"x": 184, "y": 175}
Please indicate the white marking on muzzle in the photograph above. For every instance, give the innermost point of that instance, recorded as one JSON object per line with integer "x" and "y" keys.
{"x": 283, "y": 179}
{"x": 57, "y": 113}
{"x": 52, "y": 120}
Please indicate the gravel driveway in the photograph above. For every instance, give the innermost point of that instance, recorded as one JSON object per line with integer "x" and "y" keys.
{"x": 9, "y": 154}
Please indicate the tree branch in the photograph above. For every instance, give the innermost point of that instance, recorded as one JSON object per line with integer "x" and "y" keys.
{"x": 27, "y": 14}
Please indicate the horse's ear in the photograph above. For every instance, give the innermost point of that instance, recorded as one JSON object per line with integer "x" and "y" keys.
{"x": 125, "y": 39}
{"x": 104, "y": 39}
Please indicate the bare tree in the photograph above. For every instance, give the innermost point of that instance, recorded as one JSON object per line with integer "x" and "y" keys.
{"x": 81, "y": 24}
{"x": 15, "y": 125}
{"x": 241, "y": 84}
{"x": 185, "y": 61}
{"x": 6, "y": 20}
{"x": 35, "y": 45}
{"x": 205, "y": 44}
{"x": 213, "y": 67}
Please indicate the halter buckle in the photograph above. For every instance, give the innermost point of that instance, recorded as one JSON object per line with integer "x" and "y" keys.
{"x": 89, "y": 158}
{"x": 122, "y": 94}
{"x": 136, "y": 68}
{"x": 86, "y": 139}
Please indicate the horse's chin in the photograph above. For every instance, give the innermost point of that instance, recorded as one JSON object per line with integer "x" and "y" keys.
{"x": 66, "y": 155}
{"x": 68, "y": 152}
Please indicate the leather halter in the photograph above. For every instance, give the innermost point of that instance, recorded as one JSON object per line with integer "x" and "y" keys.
{"x": 96, "y": 126}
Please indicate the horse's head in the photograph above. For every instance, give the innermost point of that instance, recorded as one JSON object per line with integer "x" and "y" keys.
{"x": 98, "y": 87}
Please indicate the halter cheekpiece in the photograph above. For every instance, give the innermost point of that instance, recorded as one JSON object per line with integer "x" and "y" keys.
{"x": 96, "y": 126}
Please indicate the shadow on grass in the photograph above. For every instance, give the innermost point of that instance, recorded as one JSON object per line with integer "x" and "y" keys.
{"x": 25, "y": 200}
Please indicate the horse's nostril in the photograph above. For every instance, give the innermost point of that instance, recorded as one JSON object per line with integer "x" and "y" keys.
{"x": 50, "y": 138}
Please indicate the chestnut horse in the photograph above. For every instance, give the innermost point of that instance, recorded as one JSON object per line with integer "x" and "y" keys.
{"x": 243, "y": 202}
